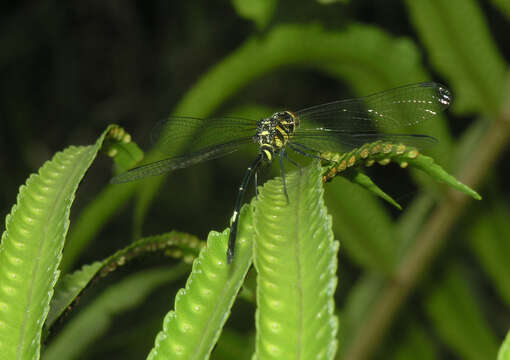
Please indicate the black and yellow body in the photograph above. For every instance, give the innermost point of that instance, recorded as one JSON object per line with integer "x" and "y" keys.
{"x": 274, "y": 133}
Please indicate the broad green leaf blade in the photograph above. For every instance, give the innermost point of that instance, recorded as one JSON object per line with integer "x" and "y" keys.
{"x": 461, "y": 48}
{"x": 295, "y": 257}
{"x": 454, "y": 310}
{"x": 489, "y": 235}
{"x": 202, "y": 307}
{"x": 93, "y": 321}
{"x": 31, "y": 247}
{"x": 175, "y": 244}
{"x": 504, "y": 350}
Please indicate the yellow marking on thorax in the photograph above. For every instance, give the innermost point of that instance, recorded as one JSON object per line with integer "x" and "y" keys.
{"x": 268, "y": 154}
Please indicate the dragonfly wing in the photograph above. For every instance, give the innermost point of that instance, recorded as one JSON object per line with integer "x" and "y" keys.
{"x": 385, "y": 111}
{"x": 179, "y": 135}
{"x": 341, "y": 141}
{"x": 179, "y": 162}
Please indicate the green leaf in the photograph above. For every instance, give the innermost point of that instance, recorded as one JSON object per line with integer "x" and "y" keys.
{"x": 259, "y": 11}
{"x": 93, "y": 321}
{"x": 488, "y": 234}
{"x": 31, "y": 247}
{"x": 295, "y": 257}
{"x": 504, "y": 350}
{"x": 202, "y": 307}
{"x": 454, "y": 310}
{"x": 461, "y": 48}
{"x": 173, "y": 244}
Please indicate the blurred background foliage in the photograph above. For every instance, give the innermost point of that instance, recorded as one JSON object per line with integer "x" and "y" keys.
{"x": 406, "y": 288}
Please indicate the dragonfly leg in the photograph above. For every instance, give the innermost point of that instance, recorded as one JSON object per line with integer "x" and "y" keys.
{"x": 237, "y": 207}
{"x": 296, "y": 164}
{"x": 256, "y": 185}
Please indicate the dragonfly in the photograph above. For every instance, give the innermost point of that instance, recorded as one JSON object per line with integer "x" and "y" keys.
{"x": 337, "y": 126}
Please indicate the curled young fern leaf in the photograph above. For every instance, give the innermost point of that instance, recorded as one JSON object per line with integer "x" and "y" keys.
{"x": 124, "y": 152}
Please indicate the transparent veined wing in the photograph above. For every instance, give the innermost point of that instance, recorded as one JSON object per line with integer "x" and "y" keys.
{"x": 346, "y": 124}
{"x": 191, "y": 140}
{"x": 178, "y": 162}
{"x": 339, "y": 141}
{"x": 180, "y": 135}
{"x": 388, "y": 110}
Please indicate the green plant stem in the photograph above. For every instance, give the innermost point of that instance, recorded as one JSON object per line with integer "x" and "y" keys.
{"x": 430, "y": 240}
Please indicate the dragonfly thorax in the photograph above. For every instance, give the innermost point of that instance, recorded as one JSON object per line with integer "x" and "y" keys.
{"x": 274, "y": 132}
